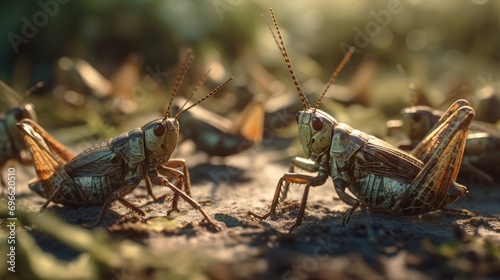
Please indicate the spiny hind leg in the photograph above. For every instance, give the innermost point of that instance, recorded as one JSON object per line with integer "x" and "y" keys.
{"x": 435, "y": 187}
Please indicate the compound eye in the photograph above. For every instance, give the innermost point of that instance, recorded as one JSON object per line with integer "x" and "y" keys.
{"x": 416, "y": 118}
{"x": 297, "y": 117}
{"x": 159, "y": 130}
{"x": 317, "y": 123}
{"x": 19, "y": 114}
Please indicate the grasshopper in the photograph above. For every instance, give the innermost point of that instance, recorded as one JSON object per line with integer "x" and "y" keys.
{"x": 110, "y": 170}
{"x": 12, "y": 146}
{"x": 79, "y": 81}
{"x": 380, "y": 176}
{"x": 218, "y": 136}
{"x": 481, "y": 148}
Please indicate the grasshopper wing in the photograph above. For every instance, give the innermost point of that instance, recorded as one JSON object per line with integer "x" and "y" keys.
{"x": 47, "y": 164}
{"x": 123, "y": 81}
{"x": 92, "y": 79}
{"x": 381, "y": 158}
{"x": 60, "y": 151}
{"x": 250, "y": 122}
{"x": 100, "y": 160}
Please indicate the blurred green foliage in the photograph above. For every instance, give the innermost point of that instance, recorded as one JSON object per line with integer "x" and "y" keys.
{"x": 442, "y": 45}
{"x": 429, "y": 38}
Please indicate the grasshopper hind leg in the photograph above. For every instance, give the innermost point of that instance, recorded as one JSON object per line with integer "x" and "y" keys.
{"x": 441, "y": 151}
{"x": 117, "y": 195}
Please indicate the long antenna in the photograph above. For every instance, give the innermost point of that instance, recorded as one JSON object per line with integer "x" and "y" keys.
{"x": 412, "y": 87}
{"x": 335, "y": 74}
{"x": 198, "y": 85}
{"x": 181, "y": 73}
{"x": 10, "y": 95}
{"x": 33, "y": 88}
{"x": 15, "y": 98}
{"x": 305, "y": 103}
{"x": 204, "y": 98}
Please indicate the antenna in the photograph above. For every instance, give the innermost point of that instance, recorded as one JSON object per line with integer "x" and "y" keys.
{"x": 412, "y": 87}
{"x": 198, "y": 85}
{"x": 33, "y": 88}
{"x": 281, "y": 46}
{"x": 13, "y": 97}
{"x": 205, "y": 97}
{"x": 335, "y": 74}
{"x": 181, "y": 73}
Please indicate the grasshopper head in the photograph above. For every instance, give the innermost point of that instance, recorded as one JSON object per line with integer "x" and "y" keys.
{"x": 315, "y": 126}
{"x": 315, "y": 132}
{"x": 161, "y": 138}
{"x": 16, "y": 114}
{"x": 418, "y": 120}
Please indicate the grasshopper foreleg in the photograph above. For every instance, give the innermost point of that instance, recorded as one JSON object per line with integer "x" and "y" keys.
{"x": 179, "y": 177}
{"x": 179, "y": 193}
{"x": 297, "y": 179}
{"x": 302, "y": 163}
{"x": 181, "y": 163}
{"x": 149, "y": 188}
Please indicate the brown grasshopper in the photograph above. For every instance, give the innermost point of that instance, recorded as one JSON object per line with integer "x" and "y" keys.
{"x": 78, "y": 81}
{"x": 219, "y": 136}
{"x": 482, "y": 147}
{"x": 12, "y": 146}
{"x": 380, "y": 176}
{"x": 112, "y": 169}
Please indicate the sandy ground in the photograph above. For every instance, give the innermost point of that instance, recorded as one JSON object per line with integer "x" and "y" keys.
{"x": 321, "y": 248}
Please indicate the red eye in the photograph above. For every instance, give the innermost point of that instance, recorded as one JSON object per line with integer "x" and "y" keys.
{"x": 159, "y": 130}
{"x": 317, "y": 123}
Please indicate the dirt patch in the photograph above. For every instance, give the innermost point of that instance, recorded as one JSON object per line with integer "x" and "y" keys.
{"x": 442, "y": 244}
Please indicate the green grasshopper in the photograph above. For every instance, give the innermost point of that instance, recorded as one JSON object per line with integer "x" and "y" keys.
{"x": 218, "y": 136}
{"x": 481, "y": 148}
{"x": 380, "y": 176}
{"x": 12, "y": 146}
{"x": 112, "y": 169}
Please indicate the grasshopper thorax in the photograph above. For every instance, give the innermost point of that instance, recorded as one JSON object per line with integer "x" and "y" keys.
{"x": 315, "y": 132}
{"x": 161, "y": 137}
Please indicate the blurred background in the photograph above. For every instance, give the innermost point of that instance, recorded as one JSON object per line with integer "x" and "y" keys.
{"x": 444, "y": 47}
{"x": 109, "y": 66}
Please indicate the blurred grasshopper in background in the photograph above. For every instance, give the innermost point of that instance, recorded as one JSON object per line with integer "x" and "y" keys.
{"x": 487, "y": 104}
{"x": 112, "y": 169}
{"x": 12, "y": 146}
{"x": 482, "y": 147}
{"x": 219, "y": 136}
{"x": 380, "y": 176}
{"x": 78, "y": 81}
